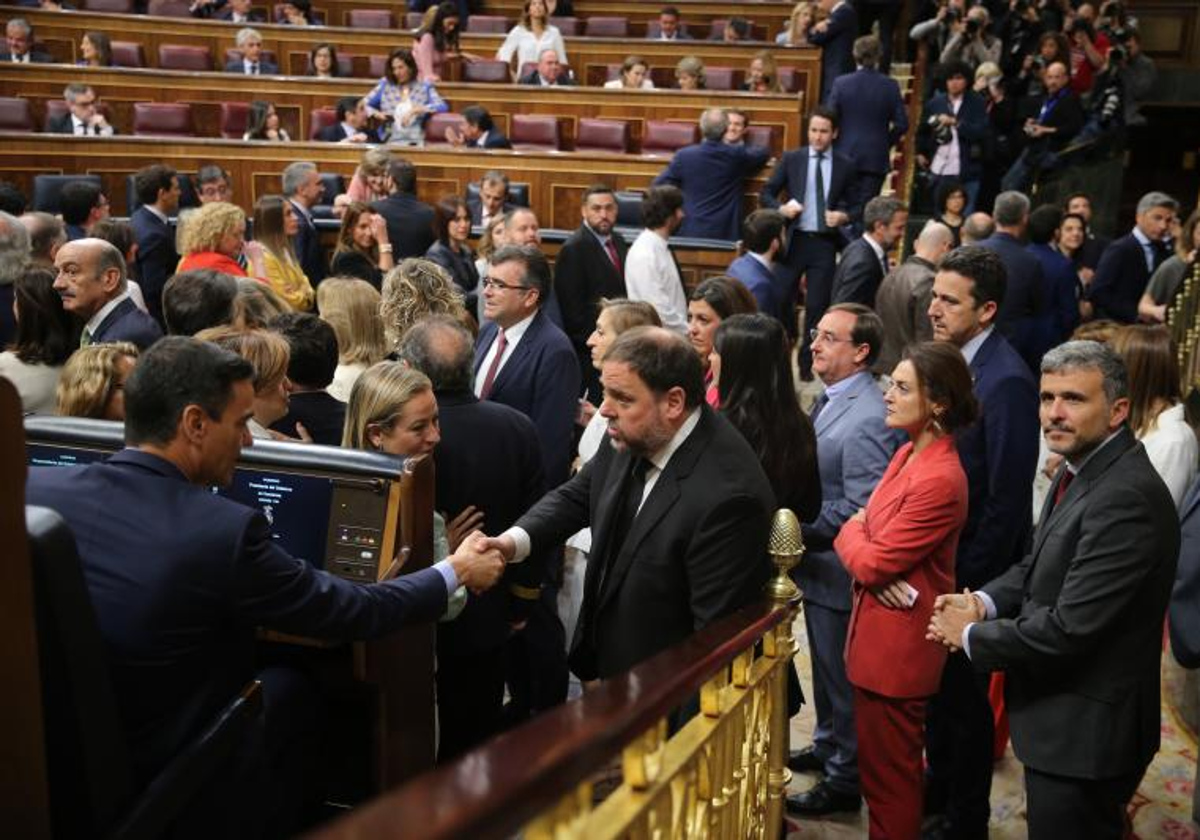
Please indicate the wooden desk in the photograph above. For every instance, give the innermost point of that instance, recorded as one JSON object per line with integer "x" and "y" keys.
{"x": 296, "y": 97}
{"x": 590, "y": 58}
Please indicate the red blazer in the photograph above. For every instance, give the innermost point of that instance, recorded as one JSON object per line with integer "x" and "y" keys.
{"x": 211, "y": 259}
{"x": 911, "y": 531}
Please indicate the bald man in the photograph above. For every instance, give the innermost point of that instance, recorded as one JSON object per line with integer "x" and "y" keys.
{"x": 93, "y": 283}
{"x": 903, "y": 297}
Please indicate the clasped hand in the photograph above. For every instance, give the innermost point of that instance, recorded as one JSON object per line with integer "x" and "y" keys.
{"x": 477, "y": 563}
{"x": 951, "y": 615}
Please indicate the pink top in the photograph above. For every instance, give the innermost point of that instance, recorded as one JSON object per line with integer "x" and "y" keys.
{"x": 429, "y": 60}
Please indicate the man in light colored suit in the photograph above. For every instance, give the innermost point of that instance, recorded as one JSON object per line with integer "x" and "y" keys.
{"x": 854, "y": 447}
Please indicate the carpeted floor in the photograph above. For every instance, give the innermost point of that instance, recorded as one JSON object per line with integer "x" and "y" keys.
{"x": 1161, "y": 809}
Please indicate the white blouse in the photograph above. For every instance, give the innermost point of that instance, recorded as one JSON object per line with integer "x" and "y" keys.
{"x": 528, "y": 46}
{"x": 1174, "y": 451}
{"x": 616, "y": 84}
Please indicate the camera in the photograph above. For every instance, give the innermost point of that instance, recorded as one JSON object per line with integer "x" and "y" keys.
{"x": 973, "y": 28}
{"x": 953, "y": 15}
{"x": 942, "y": 134}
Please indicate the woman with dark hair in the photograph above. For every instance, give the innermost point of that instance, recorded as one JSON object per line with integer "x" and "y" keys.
{"x": 900, "y": 550}
{"x": 714, "y": 300}
{"x": 95, "y": 50}
{"x": 634, "y": 74}
{"x": 532, "y": 35}
{"x": 363, "y": 248}
{"x": 949, "y": 205}
{"x": 1052, "y": 47}
{"x": 323, "y": 61}
{"x": 404, "y": 101}
{"x": 436, "y": 40}
{"x": 296, "y": 13}
{"x": 45, "y": 337}
{"x": 752, "y": 373}
{"x": 452, "y": 224}
{"x": 262, "y": 123}
{"x": 275, "y": 224}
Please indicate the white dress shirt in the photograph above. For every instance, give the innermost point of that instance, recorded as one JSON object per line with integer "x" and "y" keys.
{"x": 528, "y": 47}
{"x": 79, "y": 127}
{"x": 651, "y": 275}
{"x": 1172, "y": 448}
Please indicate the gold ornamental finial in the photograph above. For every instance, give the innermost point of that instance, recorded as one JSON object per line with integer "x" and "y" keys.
{"x": 786, "y": 546}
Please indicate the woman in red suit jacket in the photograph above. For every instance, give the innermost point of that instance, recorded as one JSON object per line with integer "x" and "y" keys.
{"x": 900, "y": 552}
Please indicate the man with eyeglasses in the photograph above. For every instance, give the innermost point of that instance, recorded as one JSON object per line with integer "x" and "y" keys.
{"x": 213, "y": 184}
{"x": 83, "y": 117}
{"x": 854, "y": 447}
{"x": 157, "y": 191}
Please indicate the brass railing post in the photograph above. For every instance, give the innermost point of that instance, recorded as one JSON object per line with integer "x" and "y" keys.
{"x": 786, "y": 546}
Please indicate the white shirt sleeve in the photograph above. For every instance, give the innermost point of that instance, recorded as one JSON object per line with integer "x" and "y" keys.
{"x": 653, "y": 279}
{"x": 511, "y": 42}
{"x": 1172, "y": 449}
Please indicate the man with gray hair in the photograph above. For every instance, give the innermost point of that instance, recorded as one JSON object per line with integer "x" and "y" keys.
{"x": 1077, "y": 625}
{"x": 18, "y": 35}
{"x": 1127, "y": 263}
{"x": 252, "y": 63}
{"x": 1020, "y": 314}
{"x": 302, "y": 188}
{"x": 46, "y": 235}
{"x": 712, "y": 176}
{"x": 471, "y": 653}
{"x": 978, "y": 227}
{"x": 865, "y": 260}
{"x": 93, "y": 283}
{"x": 83, "y": 117}
{"x": 904, "y": 295}
{"x": 14, "y": 256}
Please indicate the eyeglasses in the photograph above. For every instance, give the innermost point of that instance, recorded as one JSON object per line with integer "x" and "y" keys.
{"x": 888, "y": 384}
{"x": 214, "y": 190}
{"x": 815, "y": 335}
{"x": 85, "y": 103}
{"x": 493, "y": 283}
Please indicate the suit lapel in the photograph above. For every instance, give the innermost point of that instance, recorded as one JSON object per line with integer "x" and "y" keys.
{"x": 834, "y": 411}
{"x": 606, "y": 507}
{"x": 517, "y": 360}
{"x": 486, "y": 336}
{"x": 111, "y": 318}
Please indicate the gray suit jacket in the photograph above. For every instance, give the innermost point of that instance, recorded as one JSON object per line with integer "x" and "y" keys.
{"x": 854, "y": 447}
{"x": 1185, "y": 598}
{"x": 1080, "y": 620}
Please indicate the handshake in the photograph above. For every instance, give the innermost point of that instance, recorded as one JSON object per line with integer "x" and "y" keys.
{"x": 479, "y": 561}
{"x": 951, "y": 615}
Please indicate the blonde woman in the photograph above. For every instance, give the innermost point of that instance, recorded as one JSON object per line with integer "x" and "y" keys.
{"x": 762, "y": 76}
{"x": 689, "y": 73}
{"x": 370, "y": 181}
{"x": 92, "y": 383}
{"x": 275, "y": 224}
{"x": 804, "y": 15}
{"x": 214, "y": 237}
{"x": 351, "y": 307}
{"x": 414, "y": 289}
{"x": 268, "y": 352}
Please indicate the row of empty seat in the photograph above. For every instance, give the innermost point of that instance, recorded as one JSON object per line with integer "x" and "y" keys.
{"x": 528, "y": 132}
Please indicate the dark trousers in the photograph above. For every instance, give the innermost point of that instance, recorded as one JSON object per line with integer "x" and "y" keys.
{"x": 1065, "y": 808}
{"x": 813, "y": 256}
{"x": 537, "y": 661}
{"x": 470, "y": 699}
{"x": 835, "y": 739}
{"x": 959, "y": 733}
{"x": 886, "y": 14}
{"x": 889, "y": 762}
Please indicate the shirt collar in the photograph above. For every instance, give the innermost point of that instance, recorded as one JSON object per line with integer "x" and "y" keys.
{"x": 840, "y": 387}
{"x": 96, "y": 320}
{"x": 296, "y": 205}
{"x": 513, "y": 334}
{"x": 1075, "y": 469}
{"x": 599, "y": 237}
{"x": 875, "y": 246}
{"x": 762, "y": 258}
{"x": 660, "y": 458}
{"x": 812, "y": 153}
{"x": 969, "y": 349}
{"x": 160, "y": 214}
{"x": 1142, "y": 238}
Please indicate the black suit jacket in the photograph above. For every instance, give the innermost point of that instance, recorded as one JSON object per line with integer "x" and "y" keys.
{"x": 836, "y": 43}
{"x": 691, "y": 556}
{"x": 584, "y": 273}
{"x": 409, "y": 223}
{"x": 179, "y": 579}
{"x": 265, "y": 68}
{"x": 495, "y": 139}
{"x": 858, "y": 275}
{"x": 1024, "y": 297}
{"x": 790, "y": 175}
{"x": 128, "y": 323}
{"x": 531, "y": 78}
{"x": 322, "y": 414}
{"x": 226, "y": 14}
{"x": 35, "y": 57}
{"x": 1121, "y": 278}
{"x": 1081, "y": 620}
{"x": 335, "y": 134}
{"x": 489, "y": 458}
{"x": 156, "y": 257}
{"x": 307, "y": 243}
{"x": 476, "y": 209}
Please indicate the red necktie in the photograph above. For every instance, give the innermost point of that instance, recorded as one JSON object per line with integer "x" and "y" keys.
{"x": 1063, "y": 484}
{"x": 494, "y": 367}
{"x": 611, "y": 247}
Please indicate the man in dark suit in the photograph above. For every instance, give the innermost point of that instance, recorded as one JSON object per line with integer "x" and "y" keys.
{"x": 999, "y": 456}
{"x": 1024, "y": 293}
{"x": 234, "y": 11}
{"x": 351, "y": 125}
{"x": 955, "y": 115}
{"x": 94, "y": 288}
{"x": 252, "y": 63}
{"x": 488, "y": 464}
{"x": 865, "y": 260}
{"x": 854, "y": 447}
{"x": 669, "y": 27}
{"x": 180, "y": 577}
{"x": 83, "y": 117}
{"x": 492, "y": 200}
{"x": 819, "y": 183}
{"x": 1185, "y": 598}
{"x": 662, "y": 540}
{"x": 712, "y": 175}
{"x": 302, "y": 188}
{"x": 18, "y": 35}
{"x": 590, "y": 266}
{"x": 763, "y": 238}
{"x": 81, "y": 205}
{"x": 871, "y": 118}
{"x": 1127, "y": 263}
{"x": 1051, "y": 123}
{"x": 835, "y": 36}
{"x": 903, "y": 297}
{"x": 313, "y": 412}
{"x": 479, "y": 131}
{"x": 1077, "y": 626}
{"x": 157, "y": 189}
{"x": 409, "y": 220}
{"x": 549, "y": 71}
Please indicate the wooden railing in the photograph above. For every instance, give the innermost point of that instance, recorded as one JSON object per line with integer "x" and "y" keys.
{"x": 722, "y": 774}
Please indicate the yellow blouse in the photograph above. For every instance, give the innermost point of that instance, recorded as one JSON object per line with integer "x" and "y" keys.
{"x": 288, "y": 281}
